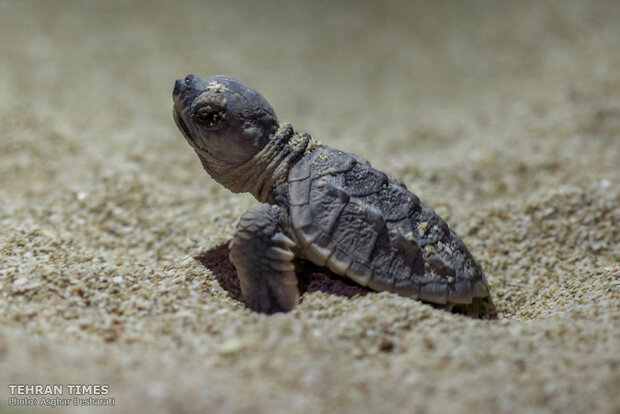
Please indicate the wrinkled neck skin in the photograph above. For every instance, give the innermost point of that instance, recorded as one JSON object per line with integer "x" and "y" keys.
{"x": 263, "y": 174}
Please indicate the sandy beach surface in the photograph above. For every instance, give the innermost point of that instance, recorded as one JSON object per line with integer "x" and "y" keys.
{"x": 502, "y": 116}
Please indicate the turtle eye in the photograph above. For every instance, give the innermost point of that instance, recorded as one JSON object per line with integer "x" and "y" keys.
{"x": 212, "y": 119}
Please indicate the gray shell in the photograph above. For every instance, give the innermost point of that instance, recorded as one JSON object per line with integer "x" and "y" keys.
{"x": 363, "y": 224}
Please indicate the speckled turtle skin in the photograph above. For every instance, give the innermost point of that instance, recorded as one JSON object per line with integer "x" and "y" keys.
{"x": 318, "y": 203}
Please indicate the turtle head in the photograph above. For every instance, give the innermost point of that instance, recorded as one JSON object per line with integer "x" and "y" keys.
{"x": 224, "y": 121}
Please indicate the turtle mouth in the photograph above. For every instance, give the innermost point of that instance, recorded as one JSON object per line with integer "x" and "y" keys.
{"x": 181, "y": 124}
{"x": 185, "y": 130}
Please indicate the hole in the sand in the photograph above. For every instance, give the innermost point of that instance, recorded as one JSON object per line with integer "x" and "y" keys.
{"x": 313, "y": 278}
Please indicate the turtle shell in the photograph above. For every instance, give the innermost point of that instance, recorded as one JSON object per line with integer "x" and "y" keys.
{"x": 365, "y": 225}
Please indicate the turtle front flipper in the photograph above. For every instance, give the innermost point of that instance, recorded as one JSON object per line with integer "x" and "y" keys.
{"x": 262, "y": 255}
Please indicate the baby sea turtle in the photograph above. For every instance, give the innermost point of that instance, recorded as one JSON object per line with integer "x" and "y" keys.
{"x": 318, "y": 203}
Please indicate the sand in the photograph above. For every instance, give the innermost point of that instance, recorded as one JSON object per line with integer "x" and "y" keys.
{"x": 503, "y": 116}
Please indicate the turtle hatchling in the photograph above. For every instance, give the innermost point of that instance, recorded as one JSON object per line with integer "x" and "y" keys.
{"x": 317, "y": 203}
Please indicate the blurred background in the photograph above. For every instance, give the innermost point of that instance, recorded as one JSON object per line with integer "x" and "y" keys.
{"x": 365, "y": 75}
